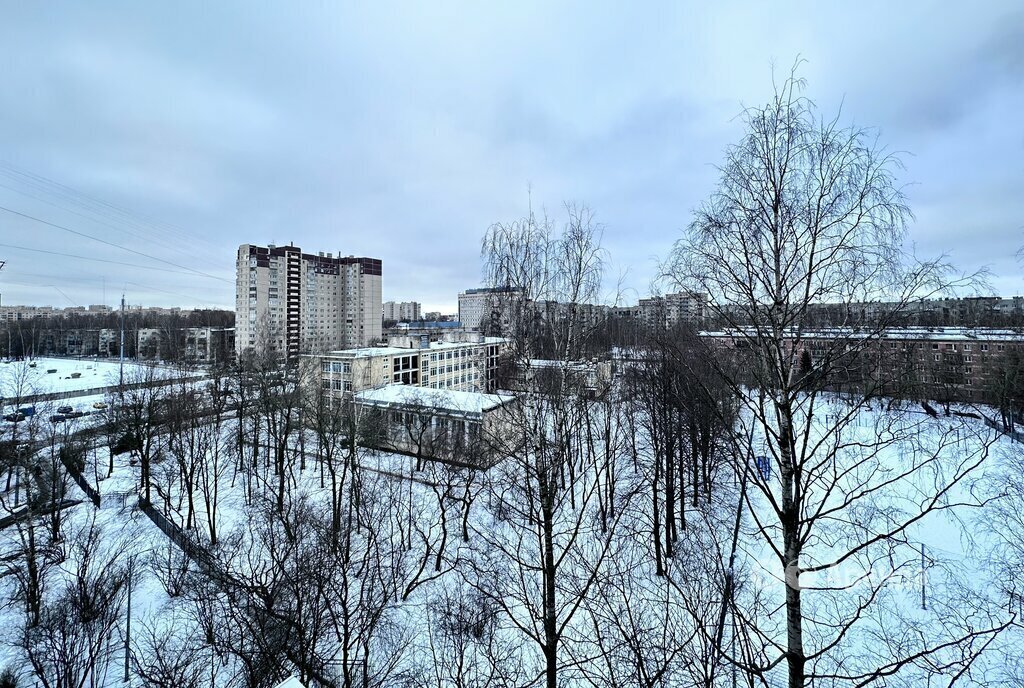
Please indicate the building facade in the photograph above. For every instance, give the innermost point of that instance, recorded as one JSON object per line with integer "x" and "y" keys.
{"x": 465, "y": 428}
{"x": 186, "y": 344}
{"x": 464, "y": 366}
{"x": 403, "y": 311}
{"x": 288, "y": 302}
{"x": 672, "y": 310}
{"x": 946, "y": 364}
{"x": 479, "y": 308}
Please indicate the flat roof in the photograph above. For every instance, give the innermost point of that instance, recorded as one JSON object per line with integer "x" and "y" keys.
{"x": 941, "y": 333}
{"x": 403, "y": 351}
{"x": 444, "y": 399}
{"x": 370, "y": 351}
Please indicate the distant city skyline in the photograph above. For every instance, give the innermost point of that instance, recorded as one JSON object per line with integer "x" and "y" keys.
{"x": 140, "y": 144}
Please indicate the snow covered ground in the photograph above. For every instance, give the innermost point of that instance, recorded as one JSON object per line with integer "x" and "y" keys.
{"x": 959, "y": 548}
{"x": 34, "y": 376}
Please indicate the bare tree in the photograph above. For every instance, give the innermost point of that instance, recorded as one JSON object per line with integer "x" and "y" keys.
{"x": 168, "y": 656}
{"x": 136, "y": 420}
{"x": 73, "y": 645}
{"x": 544, "y": 551}
{"x": 807, "y": 211}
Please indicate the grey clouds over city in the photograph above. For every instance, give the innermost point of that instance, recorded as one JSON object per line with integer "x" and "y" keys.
{"x": 141, "y": 143}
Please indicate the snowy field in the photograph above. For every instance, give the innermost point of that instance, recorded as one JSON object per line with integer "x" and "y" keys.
{"x": 21, "y": 376}
{"x": 423, "y": 550}
{"x": 70, "y": 377}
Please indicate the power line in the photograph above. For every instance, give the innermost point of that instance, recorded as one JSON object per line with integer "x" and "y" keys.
{"x": 98, "y": 260}
{"x": 49, "y": 279}
{"x": 148, "y": 235}
{"x": 110, "y": 243}
{"x": 96, "y": 205}
{"x": 70, "y": 300}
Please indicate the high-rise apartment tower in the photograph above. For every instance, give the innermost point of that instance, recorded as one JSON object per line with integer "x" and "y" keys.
{"x": 288, "y": 302}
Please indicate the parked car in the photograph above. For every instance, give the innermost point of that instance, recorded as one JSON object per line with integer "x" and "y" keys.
{"x": 100, "y": 405}
{"x": 27, "y": 410}
{"x": 57, "y": 419}
{"x": 76, "y": 414}
{"x": 65, "y": 409}
{"x": 14, "y": 417}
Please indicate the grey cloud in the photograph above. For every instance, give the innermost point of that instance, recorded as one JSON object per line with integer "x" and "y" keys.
{"x": 403, "y": 131}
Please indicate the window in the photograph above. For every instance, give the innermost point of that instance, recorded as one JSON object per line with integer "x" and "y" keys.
{"x": 938, "y": 357}
{"x": 935, "y": 346}
{"x": 967, "y": 347}
{"x": 1000, "y": 347}
{"x": 984, "y": 347}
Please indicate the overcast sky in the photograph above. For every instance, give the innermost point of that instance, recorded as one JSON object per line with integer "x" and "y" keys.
{"x": 179, "y": 130}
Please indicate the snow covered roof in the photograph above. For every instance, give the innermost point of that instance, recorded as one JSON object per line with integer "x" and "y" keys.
{"x": 291, "y": 683}
{"x": 939, "y": 333}
{"x": 371, "y": 351}
{"x": 441, "y": 399}
{"x": 570, "y": 365}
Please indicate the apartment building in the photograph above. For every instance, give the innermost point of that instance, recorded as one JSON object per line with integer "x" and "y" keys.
{"x": 288, "y": 302}
{"x": 403, "y": 311}
{"x": 940, "y": 363}
{"x": 19, "y": 313}
{"x": 479, "y": 308}
{"x": 671, "y": 310}
{"x": 193, "y": 344}
{"x": 466, "y": 366}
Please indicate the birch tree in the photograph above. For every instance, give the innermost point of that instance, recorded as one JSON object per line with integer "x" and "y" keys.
{"x": 809, "y": 211}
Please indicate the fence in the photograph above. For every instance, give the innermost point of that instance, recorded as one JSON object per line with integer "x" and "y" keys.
{"x": 76, "y": 475}
{"x": 1015, "y": 435}
{"x": 118, "y": 500}
{"x": 178, "y": 536}
{"x": 25, "y": 512}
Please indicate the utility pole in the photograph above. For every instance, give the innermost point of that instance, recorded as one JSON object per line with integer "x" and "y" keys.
{"x": 2, "y": 264}
{"x": 121, "y": 348}
{"x": 128, "y": 618}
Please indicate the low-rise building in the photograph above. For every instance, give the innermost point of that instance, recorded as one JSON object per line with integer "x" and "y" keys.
{"x": 942, "y": 363}
{"x": 466, "y": 366}
{"x": 192, "y": 344}
{"x": 465, "y": 428}
{"x": 592, "y": 378}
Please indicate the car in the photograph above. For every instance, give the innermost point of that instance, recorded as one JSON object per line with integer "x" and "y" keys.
{"x": 65, "y": 409}
{"x": 100, "y": 405}
{"x": 14, "y": 417}
{"x": 58, "y": 418}
{"x": 76, "y": 414}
